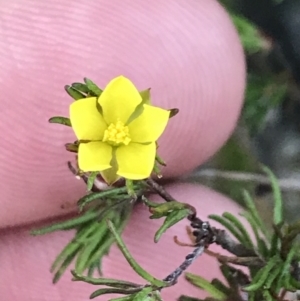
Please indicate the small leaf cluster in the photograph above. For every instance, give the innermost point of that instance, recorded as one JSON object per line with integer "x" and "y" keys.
{"x": 130, "y": 291}
{"x": 92, "y": 239}
{"x": 78, "y": 91}
{"x": 173, "y": 212}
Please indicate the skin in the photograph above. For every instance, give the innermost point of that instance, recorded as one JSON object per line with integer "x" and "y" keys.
{"x": 188, "y": 53}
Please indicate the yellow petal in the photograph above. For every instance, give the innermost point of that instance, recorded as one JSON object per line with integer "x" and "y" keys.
{"x": 94, "y": 156}
{"x": 135, "y": 160}
{"x": 149, "y": 125}
{"x": 87, "y": 122}
{"x": 119, "y": 100}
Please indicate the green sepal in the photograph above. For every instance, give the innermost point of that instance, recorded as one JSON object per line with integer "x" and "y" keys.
{"x": 76, "y": 95}
{"x": 173, "y": 112}
{"x": 92, "y": 87}
{"x": 81, "y": 88}
{"x": 160, "y": 161}
{"x": 91, "y": 179}
{"x": 72, "y": 147}
{"x": 146, "y": 97}
{"x": 60, "y": 120}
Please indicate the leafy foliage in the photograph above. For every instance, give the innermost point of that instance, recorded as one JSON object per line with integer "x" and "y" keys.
{"x": 92, "y": 239}
{"x": 274, "y": 267}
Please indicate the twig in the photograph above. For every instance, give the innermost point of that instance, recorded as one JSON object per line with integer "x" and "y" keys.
{"x": 284, "y": 184}
{"x": 226, "y": 242}
{"x": 189, "y": 259}
{"x": 253, "y": 261}
{"x": 160, "y": 190}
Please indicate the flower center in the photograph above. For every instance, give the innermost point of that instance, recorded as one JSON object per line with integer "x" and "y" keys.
{"x": 116, "y": 134}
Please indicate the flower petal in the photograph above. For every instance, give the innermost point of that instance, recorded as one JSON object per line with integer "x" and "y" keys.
{"x": 136, "y": 160}
{"x": 86, "y": 121}
{"x": 149, "y": 125}
{"x": 94, "y": 156}
{"x": 119, "y": 100}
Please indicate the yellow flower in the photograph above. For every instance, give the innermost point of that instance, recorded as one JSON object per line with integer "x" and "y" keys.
{"x": 117, "y": 132}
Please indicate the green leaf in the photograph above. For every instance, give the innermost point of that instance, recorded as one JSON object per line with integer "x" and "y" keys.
{"x": 63, "y": 267}
{"x": 164, "y": 209}
{"x": 102, "y": 194}
{"x": 92, "y": 87}
{"x": 285, "y": 269}
{"x": 187, "y": 298}
{"x": 205, "y": 285}
{"x": 104, "y": 246}
{"x": 144, "y": 295}
{"x": 68, "y": 224}
{"x": 74, "y": 245}
{"x": 248, "y": 33}
{"x": 221, "y": 286}
{"x": 278, "y": 208}
{"x": 267, "y": 296}
{"x": 254, "y": 213}
{"x": 227, "y": 273}
{"x": 261, "y": 277}
{"x": 104, "y": 291}
{"x": 262, "y": 248}
{"x": 103, "y": 281}
{"x": 71, "y": 248}
{"x": 130, "y": 188}
{"x": 247, "y": 242}
{"x": 126, "y": 298}
{"x": 76, "y": 95}
{"x": 273, "y": 276}
{"x": 96, "y": 238}
{"x": 81, "y": 87}
{"x": 294, "y": 283}
{"x": 61, "y": 120}
{"x": 228, "y": 225}
{"x": 135, "y": 266}
{"x": 172, "y": 219}
{"x": 275, "y": 245}
{"x": 157, "y": 296}
{"x": 91, "y": 179}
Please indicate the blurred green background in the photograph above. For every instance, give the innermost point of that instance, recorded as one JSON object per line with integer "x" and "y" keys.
{"x": 268, "y": 131}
